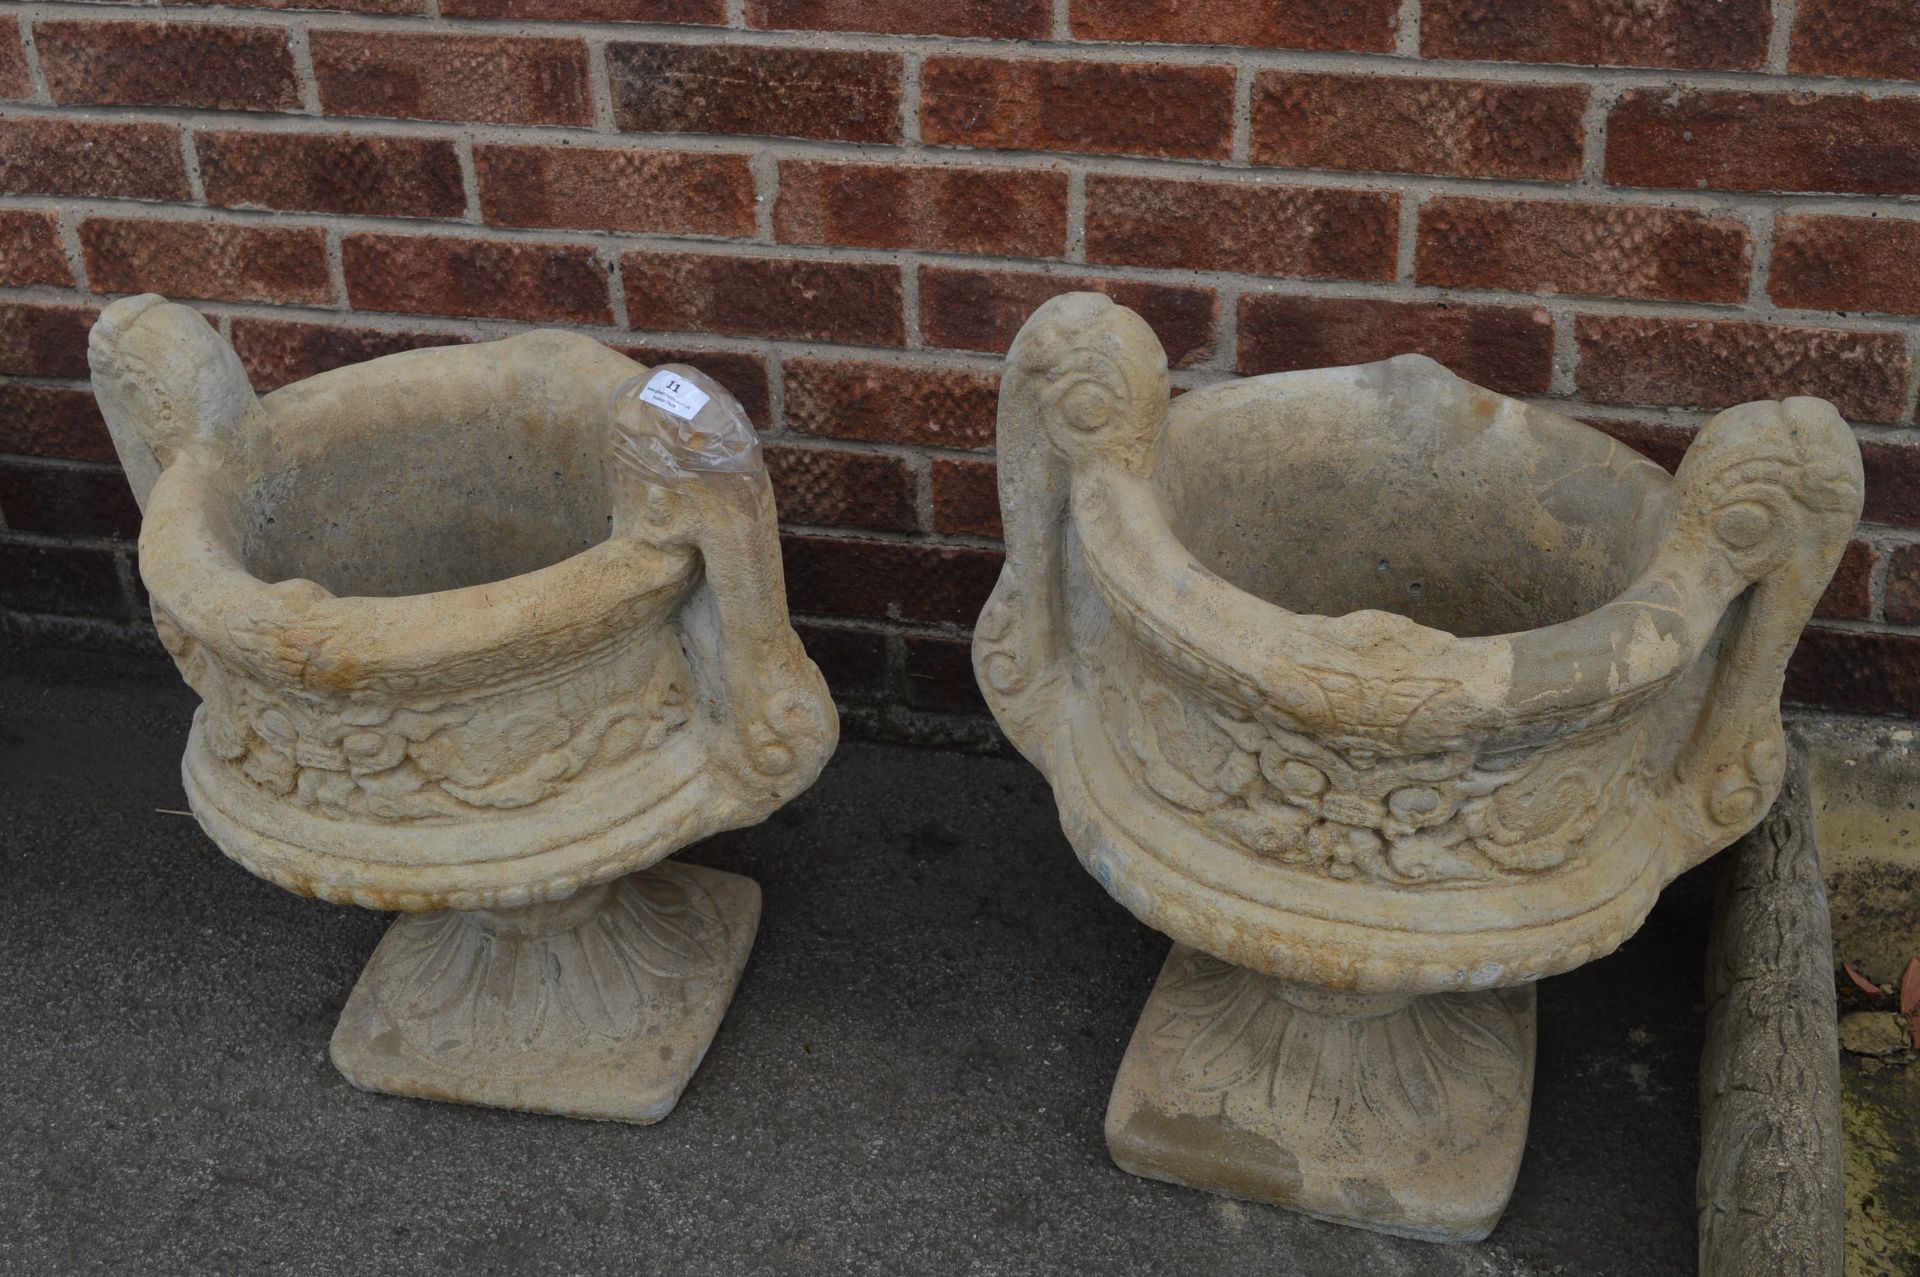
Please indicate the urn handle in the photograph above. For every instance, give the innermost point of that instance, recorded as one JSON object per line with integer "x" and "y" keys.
{"x": 1767, "y": 496}
{"x": 686, "y": 470}
{"x": 165, "y": 381}
{"x": 1085, "y": 384}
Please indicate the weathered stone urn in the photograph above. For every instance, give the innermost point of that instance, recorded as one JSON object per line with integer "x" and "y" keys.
{"x": 1384, "y": 696}
{"x": 483, "y": 634}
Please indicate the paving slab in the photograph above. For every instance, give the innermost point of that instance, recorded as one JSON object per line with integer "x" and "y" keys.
{"x": 912, "y": 1078}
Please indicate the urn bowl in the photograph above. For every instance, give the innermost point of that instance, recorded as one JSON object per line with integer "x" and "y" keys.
{"x": 1371, "y": 678}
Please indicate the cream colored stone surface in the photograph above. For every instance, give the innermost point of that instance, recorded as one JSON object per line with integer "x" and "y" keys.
{"x": 1384, "y": 696}
{"x": 474, "y": 648}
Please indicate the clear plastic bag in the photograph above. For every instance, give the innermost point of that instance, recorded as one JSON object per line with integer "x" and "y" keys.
{"x": 675, "y": 422}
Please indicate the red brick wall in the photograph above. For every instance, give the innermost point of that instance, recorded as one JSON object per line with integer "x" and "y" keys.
{"x": 844, "y": 209}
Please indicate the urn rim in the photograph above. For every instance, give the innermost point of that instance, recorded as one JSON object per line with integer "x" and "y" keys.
{"x": 1640, "y": 638}
{"x": 293, "y": 627}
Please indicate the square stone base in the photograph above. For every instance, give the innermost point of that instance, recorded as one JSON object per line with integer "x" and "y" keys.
{"x": 1401, "y": 1115}
{"x": 594, "y": 1008}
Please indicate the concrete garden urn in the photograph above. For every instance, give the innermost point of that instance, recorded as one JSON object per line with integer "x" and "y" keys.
{"x": 1384, "y": 696}
{"x": 483, "y": 634}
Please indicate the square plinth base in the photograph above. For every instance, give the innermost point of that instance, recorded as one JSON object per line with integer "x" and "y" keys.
{"x": 1407, "y": 1120}
{"x": 604, "y": 1014}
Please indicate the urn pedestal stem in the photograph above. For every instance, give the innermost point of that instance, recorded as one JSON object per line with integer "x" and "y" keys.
{"x": 546, "y": 918}
{"x": 601, "y": 1005}
{"x": 1400, "y": 1112}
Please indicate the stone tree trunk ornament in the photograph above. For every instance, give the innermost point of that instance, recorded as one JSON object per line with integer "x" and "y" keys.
{"x": 483, "y": 634}
{"x": 1384, "y": 696}
{"x": 1771, "y": 1188}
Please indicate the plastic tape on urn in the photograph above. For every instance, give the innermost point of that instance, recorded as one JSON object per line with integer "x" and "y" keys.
{"x": 674, "y": 422}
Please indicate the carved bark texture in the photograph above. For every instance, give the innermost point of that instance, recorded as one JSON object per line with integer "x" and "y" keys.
{"x": 1770, "y": 1191}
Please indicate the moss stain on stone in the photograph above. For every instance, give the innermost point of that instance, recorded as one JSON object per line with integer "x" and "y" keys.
{"x": 1880, "y": 1115}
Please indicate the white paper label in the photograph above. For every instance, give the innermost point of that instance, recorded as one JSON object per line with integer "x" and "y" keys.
{"x": 671, "y": 391}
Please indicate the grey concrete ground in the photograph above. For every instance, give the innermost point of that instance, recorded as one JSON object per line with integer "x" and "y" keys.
{"x": 911, "y": 1079}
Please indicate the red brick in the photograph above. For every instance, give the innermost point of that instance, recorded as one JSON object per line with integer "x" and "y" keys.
{"x": 63, "y": 579}
{"x": 1739, "y": 141}
{"x": 15, "y": 80}
{"x": 1415, "y": 124}
{"x": 278, "y": 352}
{"x": 891, "y": 403}
{"x": 1659, "y": 442}
{"x": 1251, "y": 227}
{"x": 1725, "y": 35}
{"x": 743, "y": 375}
{"x": 1691, "y": 363}
{"x": 52, "y": 421}
{"x": 625, "y": 189}
{"x": 30, "y": 251}
{"x": 448, "y": 275}
{"x": 1855, "y": 672}
{"x": 340, "y": 6}
{"x": 1849, "y": 596}
{"x": 1892, "y": 469}
{"x": 1115, "y": 108}
{"x": 1893, "y": 483}
{"x": 68, "y": 500}
{"x": 941, "y": 208}
{"x": 966, "y": 498}
{"x": 1500, "y": 347}
{"x": 1846, "y": 263}
{"x": 44, "y": 341}
{"x": 1903, "y": 585}
{"x": 366, "y": 174}
{"x": 1875, "y": 39}
{"x": 982, "y": 310}
{"x": 44, "y": 156}
{"x": 223, "y": 262}
{"x": 428, "y": 76}
{"x": 888, "y": 580}
{"x": 1361, "y": 26}
{"x": 999, "y": 19}
{"x": 827, "y": 487}
{"x": 853, "y": 661}
{"x": 190, "y": 64}
{"x": 855, "y": 303}
{"x": 784, "y": 92}
{"x": 940, "y": 674}
{"x": 702, "y": 12}
{"x": 1606, "y": 250}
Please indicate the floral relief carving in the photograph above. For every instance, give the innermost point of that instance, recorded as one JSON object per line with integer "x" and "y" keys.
{"x": 354, "y": 756}
{"x": 1352, "y": 808}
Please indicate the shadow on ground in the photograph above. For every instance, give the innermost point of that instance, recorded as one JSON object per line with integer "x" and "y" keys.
{"x": 911, "y": 1079}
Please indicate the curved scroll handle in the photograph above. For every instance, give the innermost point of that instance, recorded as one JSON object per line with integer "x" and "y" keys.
{"x": 1769, "y": 494}
{"x": 1085, "y": 381}
{"x": 691, "y": 474}
{"x": 166, "y": 381}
